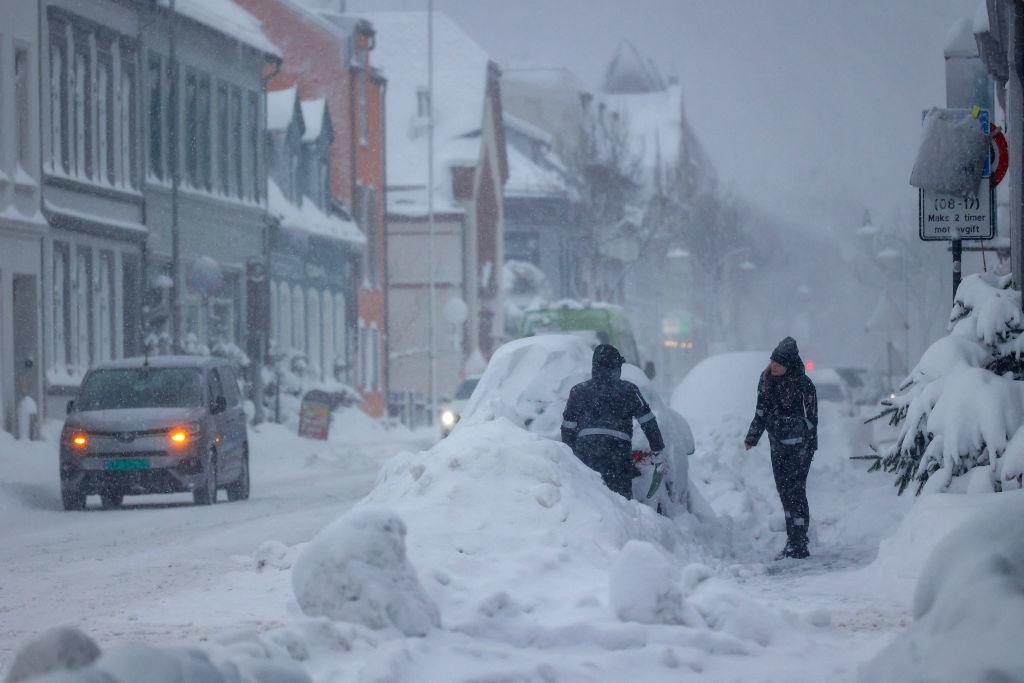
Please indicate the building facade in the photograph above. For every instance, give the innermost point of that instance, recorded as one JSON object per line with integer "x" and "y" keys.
{"x": 92, "y": 188}
{"x": 329, "y": 56}
{"x": 22, "y": 225}
{"x": 469, "y": 173}
{"x": 315, "y": 249}
{"x": 204, "y": 127}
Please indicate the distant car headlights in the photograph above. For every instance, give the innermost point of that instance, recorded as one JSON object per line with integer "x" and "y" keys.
{"x": 448, "y": 419}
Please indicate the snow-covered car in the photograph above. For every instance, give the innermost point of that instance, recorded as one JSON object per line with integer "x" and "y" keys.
{"x": 155, "y": 425}
{"x": 833, "y": 390}
{"x": 528, "y": 381}
{"x": 451, "y": 412}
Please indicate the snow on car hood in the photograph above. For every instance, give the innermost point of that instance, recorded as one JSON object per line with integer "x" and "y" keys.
{"x": 133, "y": 419}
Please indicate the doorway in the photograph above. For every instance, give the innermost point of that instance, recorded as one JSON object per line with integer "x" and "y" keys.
{"x": 25, "y": 325}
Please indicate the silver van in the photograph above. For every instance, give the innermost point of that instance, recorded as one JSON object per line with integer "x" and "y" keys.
{"x": 164, "y": 424}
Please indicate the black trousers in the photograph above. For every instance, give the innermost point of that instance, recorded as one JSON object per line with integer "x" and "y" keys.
{"x": 611, "y": 458}
{"x": 790, "y": 465}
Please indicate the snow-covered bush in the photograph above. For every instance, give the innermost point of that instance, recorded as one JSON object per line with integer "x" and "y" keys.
{"x": 968, "y": 605}
{"x": 962, "y": 407}
{"x": 356, "y": 570}
{"x": 59, "y": 649}
{"x": 287, "y": 379}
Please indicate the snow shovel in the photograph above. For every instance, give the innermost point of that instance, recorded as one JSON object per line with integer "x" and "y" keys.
{"x": 659, "y": 474}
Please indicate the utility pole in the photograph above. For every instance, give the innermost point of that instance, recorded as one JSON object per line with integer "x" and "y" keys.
{"x": 176, "y": 273}
{"x": 431, "y": 325}
{"x": 967, "y": 86}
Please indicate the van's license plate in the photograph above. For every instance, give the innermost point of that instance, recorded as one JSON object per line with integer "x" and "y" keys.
{"x": 127, "y": 464}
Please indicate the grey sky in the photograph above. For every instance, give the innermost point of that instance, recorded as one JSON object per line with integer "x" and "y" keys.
{"x": 811, "y": 108}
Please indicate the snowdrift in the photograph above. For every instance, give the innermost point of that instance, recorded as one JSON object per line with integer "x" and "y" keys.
{"x": 969, "y": 602}
{"x": 721, "y": 387}
{"x": 66, "y": 655}
{"x": 356, "y": 570}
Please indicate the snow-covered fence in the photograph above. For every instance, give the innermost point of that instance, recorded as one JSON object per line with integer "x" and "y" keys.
{"x": 961, "y": 410}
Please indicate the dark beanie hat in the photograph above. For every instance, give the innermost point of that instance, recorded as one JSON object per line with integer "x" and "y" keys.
{"x": 607, "y": 356}
{"x": 787, "y": 354}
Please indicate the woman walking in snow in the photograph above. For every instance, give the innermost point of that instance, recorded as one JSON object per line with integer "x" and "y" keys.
{"x": 787, "y": 408}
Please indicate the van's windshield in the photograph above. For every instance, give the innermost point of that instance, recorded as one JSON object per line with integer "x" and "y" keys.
{"x": 140, "y": 388}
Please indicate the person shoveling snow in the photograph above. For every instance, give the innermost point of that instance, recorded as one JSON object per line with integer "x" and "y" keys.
{"x": 787, "y": 408}
{"x": 598, "y": 423}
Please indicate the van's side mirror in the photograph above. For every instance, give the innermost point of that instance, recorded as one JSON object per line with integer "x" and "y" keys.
{"x": 71, "y": 406}
{"x": 649, "y": 369}
{"x": 220, "y": 404}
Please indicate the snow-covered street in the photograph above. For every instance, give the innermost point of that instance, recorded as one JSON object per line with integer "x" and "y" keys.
{"x": 159, "y": 569}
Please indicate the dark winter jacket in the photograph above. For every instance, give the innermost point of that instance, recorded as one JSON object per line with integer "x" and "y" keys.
{"x": 787, "y": 405}
{"x": 606, "y": 405}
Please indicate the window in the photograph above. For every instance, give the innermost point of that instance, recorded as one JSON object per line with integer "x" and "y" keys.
{"x": 192, "y": 127}
{"x": 367, "y": 213}
{"x": 204, "y": 131}
{"x": 223, "y": 155}
{"x": 340, "y": 329}
{"x": 83, "y": 110}
{"x": 284, "y": 304}
{"x": 237, "y": 187}
{"x": 364, "y": 345}
{"x": 60, "y": 352}
{"x": 126, "y": 115}
{"x": 105, "y": 308}
{"x": 253, "y": 123}
{"x": 105, "y": 115}
{"x": 327, "y": 306}
{"x": 91, "y": 126}
{"x": 82, "y": 341}
{"x": 60, "y": 152}
{"x": 299, "y": 321}
{"x": 362, "y": 106}
{"x": 313, "y": 328}
{"x": 21, "y": 94}
{"x": 141, "y": 388}
{"x": 275, "y": 315}
{"x": 156, "y": 116}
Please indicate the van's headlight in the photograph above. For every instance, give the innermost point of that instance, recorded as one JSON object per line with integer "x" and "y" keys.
{"x": 449, "y": 418}
{"x": 183, "y": 435}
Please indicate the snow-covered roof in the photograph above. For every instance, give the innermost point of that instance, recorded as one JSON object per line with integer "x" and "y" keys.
{"x": 460, "y": 86}
{"x": 629, "y": 72}
{"x": 525, "y": 178}
{"x": 225, "y": 16}
{"x": 310, "y": 219}
{"x": 657, "y": 128}
{"x": 526, "y": 128}
{"x": 281, "y": 108}
{"x": 313, "y": 114}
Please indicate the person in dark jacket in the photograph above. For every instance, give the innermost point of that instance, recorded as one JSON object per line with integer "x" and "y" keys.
{"x": 598, "y": 421}
{"x": 787, "y": 408}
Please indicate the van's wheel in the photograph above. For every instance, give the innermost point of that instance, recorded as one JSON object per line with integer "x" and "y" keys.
{"x": 207, "y": 493}
{"x": 72, "y": 500}
{"x": 112, "y": 500}
{"x": 239, "y": 489}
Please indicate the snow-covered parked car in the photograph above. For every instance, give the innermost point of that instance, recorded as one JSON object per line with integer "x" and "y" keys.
{"x": 528, "y": 381}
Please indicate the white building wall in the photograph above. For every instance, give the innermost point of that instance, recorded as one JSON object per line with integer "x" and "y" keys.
{"x": 22, "y": 226}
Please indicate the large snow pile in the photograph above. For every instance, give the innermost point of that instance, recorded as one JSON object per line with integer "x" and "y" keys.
{"x": 968, "y": 606}
{"x": 356, "y": 570}
{"x": 66, "y": 655}
{"x": 527, "y": 382}
{"x": 720, "y": 387}
{"x": 961, "y": 410}
{"x": 542, "y": 573}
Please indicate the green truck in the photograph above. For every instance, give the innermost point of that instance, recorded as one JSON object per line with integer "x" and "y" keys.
{"x": 598, "y": 323}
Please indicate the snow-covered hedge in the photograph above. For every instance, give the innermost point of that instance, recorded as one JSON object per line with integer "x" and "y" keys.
{"x": 961, "y": 410}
